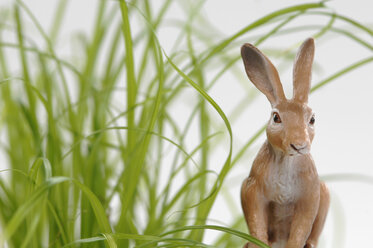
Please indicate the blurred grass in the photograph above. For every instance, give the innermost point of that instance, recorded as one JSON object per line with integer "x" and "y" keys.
{"x": 95, "y": 153}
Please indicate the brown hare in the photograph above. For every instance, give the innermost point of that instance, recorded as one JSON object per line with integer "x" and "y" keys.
{"x": 284, "y": 202}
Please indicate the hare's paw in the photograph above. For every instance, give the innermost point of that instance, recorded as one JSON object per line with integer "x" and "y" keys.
{"x": 249, "y": 245}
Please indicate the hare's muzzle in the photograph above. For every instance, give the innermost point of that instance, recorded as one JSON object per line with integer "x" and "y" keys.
{"x": 301, "y": 148}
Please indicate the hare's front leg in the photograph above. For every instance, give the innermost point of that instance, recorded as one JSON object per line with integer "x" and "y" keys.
{"x": 320, "y": 218}
{"x": 306, "y": 210}
{"x": 255, "y": 211}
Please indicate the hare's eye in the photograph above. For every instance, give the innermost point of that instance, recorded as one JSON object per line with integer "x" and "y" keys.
{"x": 312, "y": 120}
{"x": 276, "y": 117}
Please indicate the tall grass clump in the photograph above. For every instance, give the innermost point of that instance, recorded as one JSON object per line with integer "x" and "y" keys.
{"x": 114, "y": 145}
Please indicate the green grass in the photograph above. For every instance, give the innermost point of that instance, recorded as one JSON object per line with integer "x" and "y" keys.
{"x": 96, "y": 155}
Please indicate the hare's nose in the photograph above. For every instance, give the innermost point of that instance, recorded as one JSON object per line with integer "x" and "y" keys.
{"x": 298, "y": 146}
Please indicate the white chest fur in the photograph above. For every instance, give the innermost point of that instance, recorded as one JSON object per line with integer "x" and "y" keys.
{"x": 283, "y": 180}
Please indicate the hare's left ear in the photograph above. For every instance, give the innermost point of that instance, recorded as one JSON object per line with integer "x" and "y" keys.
{"x": 303, "y": 70}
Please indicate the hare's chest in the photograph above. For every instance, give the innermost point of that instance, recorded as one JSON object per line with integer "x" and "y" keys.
{"x": 283, "y": 182}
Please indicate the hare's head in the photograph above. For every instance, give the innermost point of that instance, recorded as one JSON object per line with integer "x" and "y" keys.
{"x": 291, "y": 126}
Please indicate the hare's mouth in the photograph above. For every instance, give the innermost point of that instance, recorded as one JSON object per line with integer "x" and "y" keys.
{"x": 296, "y": 149}
{"x": 299, "y": 150}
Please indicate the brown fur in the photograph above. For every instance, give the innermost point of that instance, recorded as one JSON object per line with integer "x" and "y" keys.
{"x": 284, "y": 202}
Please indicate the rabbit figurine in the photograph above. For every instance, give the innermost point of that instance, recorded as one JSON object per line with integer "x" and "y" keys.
{"x": 284, "y": 202}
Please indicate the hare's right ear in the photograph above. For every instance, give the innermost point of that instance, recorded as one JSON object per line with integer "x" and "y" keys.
{"x": 303, "y": 70}
{"x": 262, "y": 73}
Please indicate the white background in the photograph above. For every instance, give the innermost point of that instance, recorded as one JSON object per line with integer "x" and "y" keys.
{"x": 344, "y": 133}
